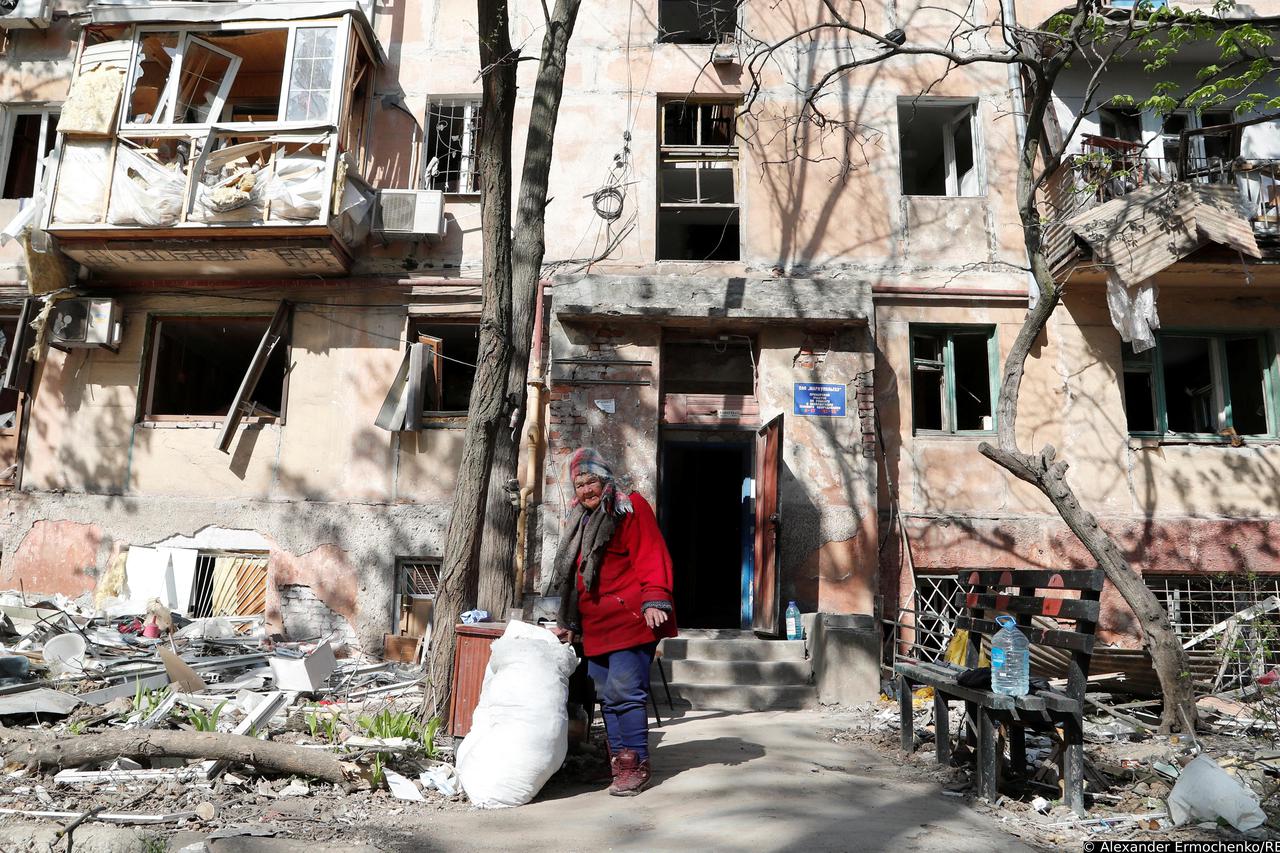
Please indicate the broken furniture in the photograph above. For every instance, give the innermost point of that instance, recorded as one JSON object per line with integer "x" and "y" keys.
{"x": 987, "y": 593}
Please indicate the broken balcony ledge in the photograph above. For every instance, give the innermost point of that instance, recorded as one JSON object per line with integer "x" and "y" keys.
{"x": 1152, "y": 442}
{"x": 780, "y": 300}
{"x": 209, "y": 423}
{"x": 175, "y": 11}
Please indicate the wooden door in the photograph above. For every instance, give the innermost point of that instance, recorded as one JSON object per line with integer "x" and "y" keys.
{"x": 766, "y": 580}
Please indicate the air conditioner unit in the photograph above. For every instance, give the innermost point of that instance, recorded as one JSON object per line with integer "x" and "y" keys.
{"x": 725, "y": 51}
{"x": 85, "y": 323}
{"x": 410, "y": 213}
{"x": 25, "y": 14}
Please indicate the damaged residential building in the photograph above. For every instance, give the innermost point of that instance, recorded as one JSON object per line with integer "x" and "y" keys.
{"x": 253, "y": 226}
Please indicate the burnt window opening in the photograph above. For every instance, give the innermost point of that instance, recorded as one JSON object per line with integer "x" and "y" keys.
{"x": 1202, "y": 149}
{"x": 710, "y": 366}
{"x": 1200, "y": 384}
{"x": 199, "y": 363}
{"x": 30, "y": 138}
{"x": 1120, "y": 123}
{"x": 451, "y": 130}
{"x": 697, "y": 21}
{"x": 952, "y": 381}
{"x": 698, "y": 215}
{"x": 939, "y": 154}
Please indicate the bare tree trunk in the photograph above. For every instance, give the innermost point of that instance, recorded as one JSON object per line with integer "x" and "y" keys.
{"x": 143, "y": 743}
{"x": 497, "y": 553}
{"x": 1044, "y": 471}
{"x": 458, "y": 573}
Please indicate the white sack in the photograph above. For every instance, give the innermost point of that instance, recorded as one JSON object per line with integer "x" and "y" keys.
{"x": 296, "y": 189}
{"x": 1133, "y": 312}
{"x": 519, "y": 732}
{"x": 143, "y": 192}
{"x": 82, "y": 181}
{"x": 1205, "y": 791}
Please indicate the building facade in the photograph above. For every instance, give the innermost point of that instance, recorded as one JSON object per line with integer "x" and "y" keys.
{"x": 786, "y": 334}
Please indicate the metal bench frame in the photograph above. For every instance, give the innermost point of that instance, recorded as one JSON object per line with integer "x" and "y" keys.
{"x": 987, "y": 596}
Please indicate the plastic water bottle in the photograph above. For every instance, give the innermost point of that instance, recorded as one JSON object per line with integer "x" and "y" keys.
{"x": 1010, "y": 663}
{"x": 795, "y": 628}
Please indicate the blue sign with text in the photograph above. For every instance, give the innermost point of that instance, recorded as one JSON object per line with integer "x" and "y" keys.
{"x": 818, "y": 399}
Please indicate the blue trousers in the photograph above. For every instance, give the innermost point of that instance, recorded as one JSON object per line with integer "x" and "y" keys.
{"x": 622, "y": 686}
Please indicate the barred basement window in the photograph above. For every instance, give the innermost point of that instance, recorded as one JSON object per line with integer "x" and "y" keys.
{"x": 229, "y": 583}
{"x": 451, "y": 129}
{"x": 937, "y": 605}
{"x": 1196, "y": 603}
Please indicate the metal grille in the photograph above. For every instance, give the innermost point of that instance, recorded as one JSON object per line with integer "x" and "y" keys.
{"x": 229, "y": 583}
{"x": 451, "y": 130}
{"x": 419, "y": 577}
{"x": 1196, "y": 603}
{"x": 937, "y": 604}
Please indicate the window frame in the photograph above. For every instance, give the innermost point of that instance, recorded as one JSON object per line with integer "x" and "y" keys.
{"x": 662, "y": 38}
{"x": 337, "y": 95}
{"x": 953, "y": 178}
{"x": 440, "y": 417}
{"x": 1221, "y": 373}
{"x": 948, "y": 331}
{"x": 11, "y": 113}
{"x": 701, "y": 154}
{"x": 471, "y": 128}
{"x": 150, "y": 364}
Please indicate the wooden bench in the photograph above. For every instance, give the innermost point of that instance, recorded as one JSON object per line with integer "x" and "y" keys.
{"x": 987, "y": 594}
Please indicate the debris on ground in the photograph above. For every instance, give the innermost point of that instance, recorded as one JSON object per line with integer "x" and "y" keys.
{"x": 128, "y": 713}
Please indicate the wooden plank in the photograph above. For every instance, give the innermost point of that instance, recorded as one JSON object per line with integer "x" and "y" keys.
{"x": 1062, "y": 608}
{"x": 1072, "y": 640}
{"x": 1037, "y": 578}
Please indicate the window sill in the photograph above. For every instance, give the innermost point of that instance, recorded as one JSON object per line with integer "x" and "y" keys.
{"x": 206, "y": 423}
{"x": 435, "y": 420}
{"x": 1146, "y": 442}
{"x": 944, "y": 195}
{"x": 963, "y": 436}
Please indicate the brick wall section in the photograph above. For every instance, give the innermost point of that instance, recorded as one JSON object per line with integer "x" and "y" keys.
{"x": 864, "y": 392}
{"x": 306, "y": 616}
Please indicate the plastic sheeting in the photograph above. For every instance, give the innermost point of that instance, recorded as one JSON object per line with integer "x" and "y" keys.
{"x": 295, "y": 190}
{"x": 1133, "y": 312}
{"x": 82, "y": 182}
{"x": 143, "y": 192}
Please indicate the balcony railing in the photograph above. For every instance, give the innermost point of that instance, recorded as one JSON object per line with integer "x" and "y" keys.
{"x": 1107, "y": 169}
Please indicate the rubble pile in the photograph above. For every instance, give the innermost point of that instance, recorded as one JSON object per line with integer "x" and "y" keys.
{"x": 140, "y": 716}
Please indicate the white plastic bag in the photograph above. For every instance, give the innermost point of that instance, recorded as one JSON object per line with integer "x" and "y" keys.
{"x": 296, "y": 188}
{"x": 519, "y": 732}
{"x": 143, "y": 192}
{"x": 1205, "y": 791}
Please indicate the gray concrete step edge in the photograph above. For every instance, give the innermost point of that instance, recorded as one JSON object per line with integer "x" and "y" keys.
{"x": 739, "y": 697}
{"x": 680, "y": 648}
{"x": 764, "y": 673}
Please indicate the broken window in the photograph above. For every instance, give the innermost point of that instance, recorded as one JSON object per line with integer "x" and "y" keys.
{"x": 939, "y": 155}
{"x": 713, "y": 366}
{"x": 696, "y": 21}
{"x": 698, "y": 182}
{"x": 30, "y": 135}
{"x": 204, "y": 77}
{"x": 8, "y": 396}
{"x": 1120, "y": 123}
{"x": 229, "y": 583}
{"x": 435, "y": 376}
{"x": 952, "y": 379}
{"x": 1200, "y": 384}
{"x": 451, "y": 129}
{"x": 198, "y": 365}
{"x": 417, "y": 578}
{"x": 1203, "y": 150}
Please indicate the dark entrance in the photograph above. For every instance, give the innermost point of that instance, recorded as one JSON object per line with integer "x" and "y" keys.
{"x": 706, "y": 519}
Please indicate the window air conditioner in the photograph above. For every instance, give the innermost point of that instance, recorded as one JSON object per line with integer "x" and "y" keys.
{"x": 410, "y": 213}
{"x": 25, "y": 14}
{"x": 85, "y": 323}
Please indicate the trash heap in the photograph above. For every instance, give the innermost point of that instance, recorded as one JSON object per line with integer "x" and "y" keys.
{"x": 115, "y": 715}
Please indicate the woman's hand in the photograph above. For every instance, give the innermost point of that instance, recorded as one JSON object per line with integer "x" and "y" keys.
{"x": 654, "y": 616}
{"x": 566, "y": 635}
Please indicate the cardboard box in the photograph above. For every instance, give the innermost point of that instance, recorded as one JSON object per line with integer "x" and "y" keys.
{"x": 418, "y": 616}
{"x": 305, "y": 675}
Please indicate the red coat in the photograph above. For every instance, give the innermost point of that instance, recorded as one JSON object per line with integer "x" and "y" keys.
{"x": 636, "y": 569}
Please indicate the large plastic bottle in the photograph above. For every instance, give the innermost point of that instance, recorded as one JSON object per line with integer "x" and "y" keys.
{"x": 1010, "y": 663}
{"x": 795, "y": 628}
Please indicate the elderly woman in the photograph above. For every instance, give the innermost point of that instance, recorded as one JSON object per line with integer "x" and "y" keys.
{"x": 613, "y": 573}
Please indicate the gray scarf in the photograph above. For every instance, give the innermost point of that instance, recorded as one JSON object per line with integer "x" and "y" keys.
{"x": 588, "y": 534}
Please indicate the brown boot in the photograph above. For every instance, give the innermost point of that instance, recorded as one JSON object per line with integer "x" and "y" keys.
{"x": 631, "y": 775}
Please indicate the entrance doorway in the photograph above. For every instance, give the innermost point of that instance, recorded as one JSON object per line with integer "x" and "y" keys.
{"x": 706, "y": 517}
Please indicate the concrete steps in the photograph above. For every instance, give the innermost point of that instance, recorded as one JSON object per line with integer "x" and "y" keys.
{"x": 726, "y": 670}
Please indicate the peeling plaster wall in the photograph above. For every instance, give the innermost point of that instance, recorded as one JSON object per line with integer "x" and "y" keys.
{"x": 1174, "y": 507}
